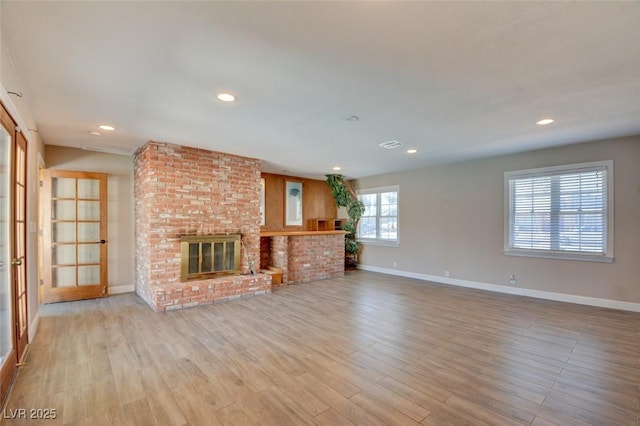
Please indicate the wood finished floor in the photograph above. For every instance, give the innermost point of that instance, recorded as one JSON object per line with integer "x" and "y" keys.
{"x": 367, "y": 349}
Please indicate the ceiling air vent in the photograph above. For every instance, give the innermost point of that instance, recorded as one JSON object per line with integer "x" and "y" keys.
{"x": 390, "y": 144}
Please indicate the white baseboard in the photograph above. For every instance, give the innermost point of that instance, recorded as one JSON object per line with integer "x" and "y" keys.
{"x": 122, "y": 289}
{"x": 539, "y": 294}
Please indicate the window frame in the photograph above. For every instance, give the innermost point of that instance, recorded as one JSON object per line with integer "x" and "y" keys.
{"x": 607, "y": 256}
{"x": 380, "y": 241}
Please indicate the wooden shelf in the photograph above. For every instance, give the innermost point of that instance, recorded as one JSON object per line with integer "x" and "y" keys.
{"x": 326, "y": 224}
{"x": 338, "y": 224}
{"x": 295, "y": 233}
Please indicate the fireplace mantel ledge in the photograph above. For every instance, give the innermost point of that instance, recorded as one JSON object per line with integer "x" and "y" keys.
{"x": 297, "y": 233}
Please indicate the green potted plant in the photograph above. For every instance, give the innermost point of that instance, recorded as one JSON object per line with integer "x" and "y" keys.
{"x": 346, "y": 197}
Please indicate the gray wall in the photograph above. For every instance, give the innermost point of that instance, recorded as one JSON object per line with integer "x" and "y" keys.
{"x": 452, "y": 219}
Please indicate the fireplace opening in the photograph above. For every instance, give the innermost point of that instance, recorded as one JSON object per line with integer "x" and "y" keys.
{"x": 208, "y": 256}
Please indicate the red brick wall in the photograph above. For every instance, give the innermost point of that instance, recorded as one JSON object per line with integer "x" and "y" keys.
{"x": 188, "y": 191}
{"x": 315, "y": 257}
{"x": 305, "y": 258}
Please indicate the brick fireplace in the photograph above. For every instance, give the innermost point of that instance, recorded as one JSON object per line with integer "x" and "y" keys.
{"x": 182, "y": 191}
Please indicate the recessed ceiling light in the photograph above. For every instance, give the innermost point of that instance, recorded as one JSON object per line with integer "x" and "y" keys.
{"x": 107, "y": 127}
{"x": 545, "y": 121}
{"x": 95, "y": 133}
{"x": 412, "y": 151}
{"x": 336, "y": 168}
{"x": 351, "y": 117}
{"x": 226, "y": 97}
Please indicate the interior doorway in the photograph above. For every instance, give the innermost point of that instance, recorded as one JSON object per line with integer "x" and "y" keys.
{"x": 74, "y": 235}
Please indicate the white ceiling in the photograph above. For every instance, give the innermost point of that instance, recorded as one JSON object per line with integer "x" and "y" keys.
{"x": 455, "y": 80}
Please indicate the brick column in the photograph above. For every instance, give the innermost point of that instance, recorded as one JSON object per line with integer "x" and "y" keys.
{"x": 188, "y": 191}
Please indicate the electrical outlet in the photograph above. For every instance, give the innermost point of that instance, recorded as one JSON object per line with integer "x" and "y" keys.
{"x": 512, "y": 279}
{"x": 446, "y": 273}
{"x": 395, "y": 263}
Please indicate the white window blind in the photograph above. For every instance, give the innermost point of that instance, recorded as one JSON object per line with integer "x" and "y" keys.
{"x": 560, "y": 212}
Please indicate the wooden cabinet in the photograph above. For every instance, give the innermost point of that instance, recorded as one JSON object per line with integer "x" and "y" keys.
{"x": 326, "y": 224}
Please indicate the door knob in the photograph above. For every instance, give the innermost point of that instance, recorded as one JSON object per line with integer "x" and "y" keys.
{"x": 16, "y": 262}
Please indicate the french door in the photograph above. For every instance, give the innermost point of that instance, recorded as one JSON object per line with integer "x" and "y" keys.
{"x": 8, "y": 358}
{"x": 19, "y": 260}
{"x": 13, "y": 275}
{"x": 74, "y": 235}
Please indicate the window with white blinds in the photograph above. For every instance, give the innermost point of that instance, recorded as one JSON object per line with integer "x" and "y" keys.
{"x": 561, "y": 212}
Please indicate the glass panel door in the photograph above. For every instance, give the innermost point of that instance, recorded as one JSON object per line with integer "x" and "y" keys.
{"x": 6, "y": 299}
{"x": 76, "y": 236}
{"x": 19, "y": 259}
{"x": 8, "y": 359}
{"x": 75, "y": 231}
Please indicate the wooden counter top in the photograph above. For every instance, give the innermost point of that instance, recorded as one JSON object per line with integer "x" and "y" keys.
{"x": 297, "y": 233}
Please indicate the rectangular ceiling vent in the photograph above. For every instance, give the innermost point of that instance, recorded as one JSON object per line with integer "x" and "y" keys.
{"x": 390, "y": 144}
